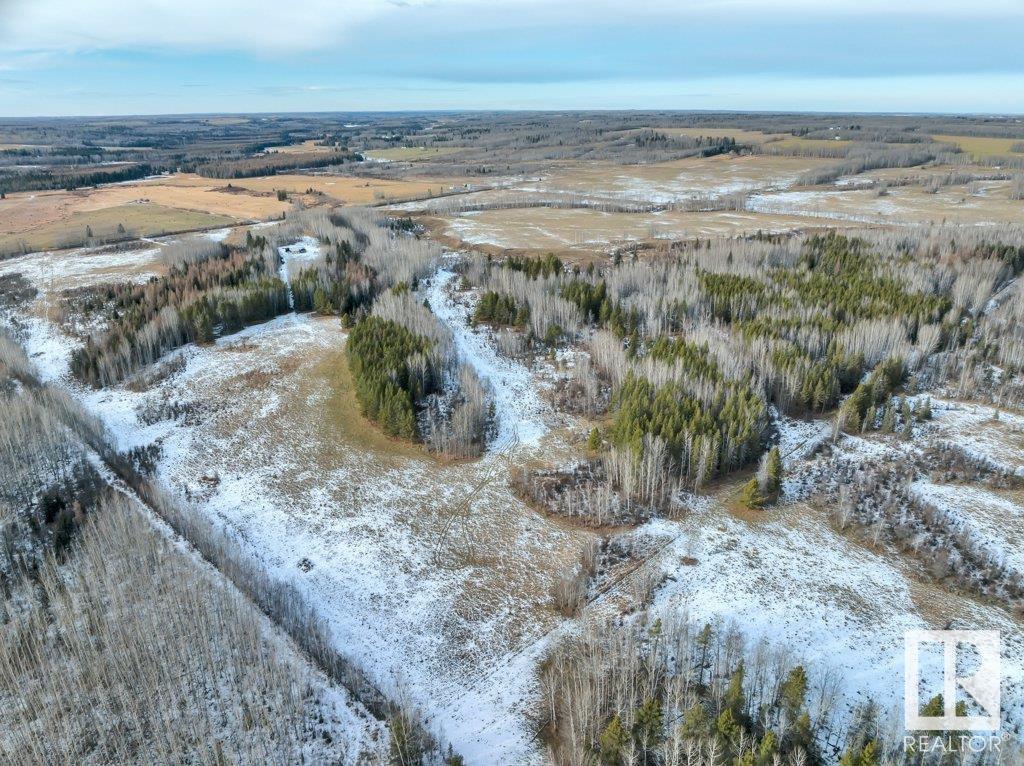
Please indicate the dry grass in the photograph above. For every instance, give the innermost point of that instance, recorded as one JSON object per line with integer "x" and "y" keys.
{"x": 174, "y": 203}
{"x": 343, "y": 419}
{"x": 907, "y": 204}
{"x": 305, "y": 147}
{"x": 213, "y": 198}
{"x": 980, "y": 146}
{"x": 25, "y": 214}
{"x": 693, "y": 174}
{"x": 343, "y": 189}
{"x": 143, "y": 219}
{"x": 410, "y": 153}
{"x": 795, "y": 142}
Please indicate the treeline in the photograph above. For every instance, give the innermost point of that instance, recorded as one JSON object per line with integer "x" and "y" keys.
{"x": 42, "y": 180}
{"x": 862, "y": 158}
{"x": 391, "y": 372}
{"x": 197, "y": 301}
{"x": 272, "y": 163}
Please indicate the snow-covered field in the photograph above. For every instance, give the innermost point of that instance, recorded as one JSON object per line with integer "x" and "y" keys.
{"x": 982, "y": 431}
{"x": 993, "y": 521}
{"x": 432, "y": 575}
{"x": 436, "y": 579}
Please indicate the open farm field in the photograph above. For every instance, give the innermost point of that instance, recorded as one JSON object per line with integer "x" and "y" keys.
{"x": 341, "y": 189}
{"x": 986, "y": 202}
{"x": 141, "y": 219}
{"x": 541, "y": 229}
{"x": 797, "y": 142}
{"x": 980, "y": 146}
{"x": 676, "y": 180}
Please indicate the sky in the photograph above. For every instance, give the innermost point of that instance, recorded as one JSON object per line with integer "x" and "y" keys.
{"x": 98, "y": 57}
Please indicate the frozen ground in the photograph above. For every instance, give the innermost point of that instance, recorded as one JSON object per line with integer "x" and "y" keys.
{"x": 436, "y": 579}
{"x": 432, "y": 575}
{"x": 908, "y": 204}
{"x": 787, "y": 577}
{"x": 981, "y": 430}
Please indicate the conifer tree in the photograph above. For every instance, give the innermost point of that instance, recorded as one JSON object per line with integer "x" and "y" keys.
{"x": 751, "y": 495}
{"x": 889, "y": 420}
{"x": 612, "y": 742}
{"x": 924, "y": 411}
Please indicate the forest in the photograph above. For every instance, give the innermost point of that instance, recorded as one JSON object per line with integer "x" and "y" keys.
{"x": 696, "y": 347}
{"x": 578, "y": 438}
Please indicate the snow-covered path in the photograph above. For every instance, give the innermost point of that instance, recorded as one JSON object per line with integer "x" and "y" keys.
{"x": 303, "y": 252}
{"x": 518, "y": 406}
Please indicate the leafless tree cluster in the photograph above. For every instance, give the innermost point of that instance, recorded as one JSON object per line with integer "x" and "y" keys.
{"x": 189, "y": 250}
{"x": 131, "y": 653}
{"x": 547, "y": 307}
{"x": 47, "y": 483}
{"x": 582, "y": 493}
{"x": 1017, "y": 187}
{"x": 861, "y": 158}
{"x": 457, "y": 421}
{"x": 581, "y": 391}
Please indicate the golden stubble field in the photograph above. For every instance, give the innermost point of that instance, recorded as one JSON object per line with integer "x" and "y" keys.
{"x": 182, "y": 202}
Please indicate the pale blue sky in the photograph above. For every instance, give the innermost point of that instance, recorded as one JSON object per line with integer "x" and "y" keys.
{"x": 74, "y": 57}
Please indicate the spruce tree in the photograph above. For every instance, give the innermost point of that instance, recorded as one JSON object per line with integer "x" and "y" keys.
{"x": 751, "y": 495}
{"x": 773, "y": 474}
{"x": 612, "y": 742}
{"x": 889, "y": 420}
{"x": 924, "y": 411}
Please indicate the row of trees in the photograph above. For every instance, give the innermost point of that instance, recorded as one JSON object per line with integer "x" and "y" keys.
{"x": 271, "y": 163}
{"x": 199, "y": 300}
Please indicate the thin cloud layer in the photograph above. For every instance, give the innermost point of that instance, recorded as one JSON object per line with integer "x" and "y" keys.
{"x": 262, "y": 26}
{"x": 147, "y": 55}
